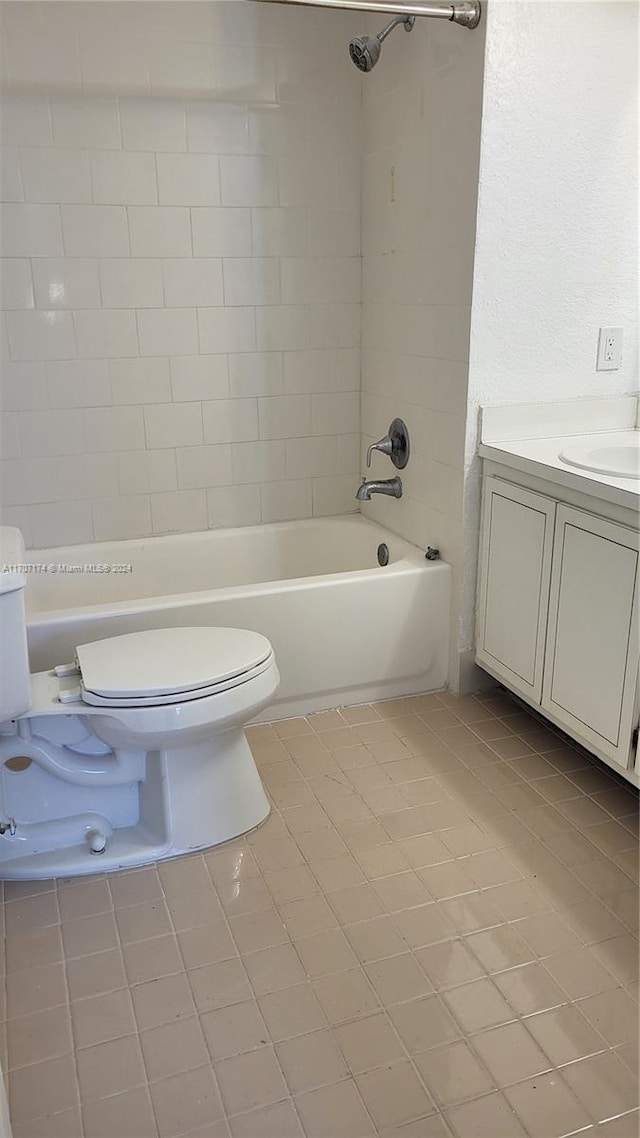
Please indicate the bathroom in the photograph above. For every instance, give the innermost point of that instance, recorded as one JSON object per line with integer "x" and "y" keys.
{"x": 232, "y": 263}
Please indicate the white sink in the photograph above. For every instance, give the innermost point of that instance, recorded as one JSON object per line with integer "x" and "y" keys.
{"x": 616, "y": 454}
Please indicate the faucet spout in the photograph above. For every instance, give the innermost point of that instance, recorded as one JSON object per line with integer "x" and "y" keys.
{"x": 390, "y": 486}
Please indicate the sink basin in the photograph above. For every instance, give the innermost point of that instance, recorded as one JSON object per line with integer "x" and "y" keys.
{"x": 616, "y": 455}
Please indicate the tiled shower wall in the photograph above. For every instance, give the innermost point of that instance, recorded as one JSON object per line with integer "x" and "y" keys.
{"x": 182, "y": 283}
{"x": 422, "y": 111}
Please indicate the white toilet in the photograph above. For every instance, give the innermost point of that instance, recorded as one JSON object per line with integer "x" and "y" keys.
{"x": 133, "y": 752}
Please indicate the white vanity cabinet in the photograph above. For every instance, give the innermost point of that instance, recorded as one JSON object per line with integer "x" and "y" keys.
{"x": 558, "y": 614}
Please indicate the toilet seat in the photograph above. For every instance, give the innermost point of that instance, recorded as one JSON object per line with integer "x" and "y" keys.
{"x": 169, "y": 665}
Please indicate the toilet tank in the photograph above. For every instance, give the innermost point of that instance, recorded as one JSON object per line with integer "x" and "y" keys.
{"x": 15, "y": 684}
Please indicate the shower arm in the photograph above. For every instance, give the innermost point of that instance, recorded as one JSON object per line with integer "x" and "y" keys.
{"x": 465, "y": 12}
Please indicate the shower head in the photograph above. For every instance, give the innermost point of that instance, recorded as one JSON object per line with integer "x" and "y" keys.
{"x": 365, "y": 50}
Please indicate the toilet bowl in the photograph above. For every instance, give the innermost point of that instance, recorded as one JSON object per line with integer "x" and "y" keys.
{"x": 134, "y": 751}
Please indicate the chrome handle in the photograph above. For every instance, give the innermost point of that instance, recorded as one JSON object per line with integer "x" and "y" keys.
{"x": 385, "y": 445}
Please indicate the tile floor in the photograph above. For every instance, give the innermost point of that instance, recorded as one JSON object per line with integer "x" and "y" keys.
{"x": 433, "y": 935}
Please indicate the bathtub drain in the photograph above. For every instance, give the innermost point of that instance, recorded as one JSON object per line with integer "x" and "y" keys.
{"x": 383, "y": 554}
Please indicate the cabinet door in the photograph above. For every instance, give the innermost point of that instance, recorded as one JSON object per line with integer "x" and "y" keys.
{"x": 591, "y": 661}
{"x": 514, "y": 574}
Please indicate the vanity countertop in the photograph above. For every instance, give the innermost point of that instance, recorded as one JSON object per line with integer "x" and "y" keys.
{"x": 531, "y": 438}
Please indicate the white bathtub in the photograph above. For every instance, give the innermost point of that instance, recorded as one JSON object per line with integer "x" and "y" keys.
{"x": 344, "y": 629}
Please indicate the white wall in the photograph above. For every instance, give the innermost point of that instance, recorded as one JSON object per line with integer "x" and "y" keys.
{"x": 421, "y": 139}
{"x": 557, "y": 237}
{"x": 182, "y": 278}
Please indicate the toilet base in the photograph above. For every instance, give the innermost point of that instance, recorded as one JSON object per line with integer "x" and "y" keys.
{"x": 191, "y": 798}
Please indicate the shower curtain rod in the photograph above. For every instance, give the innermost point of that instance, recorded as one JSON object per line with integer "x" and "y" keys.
{"x": 465, "y": 12}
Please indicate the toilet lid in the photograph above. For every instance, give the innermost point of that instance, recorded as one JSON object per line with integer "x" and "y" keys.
{"x": 168, "y": 661}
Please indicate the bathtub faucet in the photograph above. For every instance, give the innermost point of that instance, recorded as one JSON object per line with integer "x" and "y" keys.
{"x": 390, "y": 486}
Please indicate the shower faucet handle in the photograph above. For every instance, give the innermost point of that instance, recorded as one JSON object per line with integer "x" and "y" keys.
{"x": 395, "y": 444}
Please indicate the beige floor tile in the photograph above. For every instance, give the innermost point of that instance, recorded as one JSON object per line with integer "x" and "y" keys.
{"x": 425, "y": 925}
{"x": 517, "y": 899}
{"x": 110, "y": 1068}
{"x": 619, "y": 956}
{"x": 35, "y": 990}
{"x": 88, "y": 934}
{"x": 81, "y": 898}
{"x": 163, "y": 1001}
{"x": 380, "y": 861}
{"x": 34, "y": 950}
{"x": 425, "y": 850}
{"x": 272, "y": 969}
{"x": 140, "y": 922}
{"x": 100, "y": 1018}
{"x": 217, "y": 985}
{"x": 325, "y": 953}
{"x": 173, "y": 1048}
{"x": 335, "y": 873}
{"x": 320, "y": 845}
{"x": 449, "y": 963}
{"x": 471, "y": 913}
{"x": 93, "y": 975}
{"x": 612, "y": 1015}
{"x": 184, "y": 875}
{"x": 530, "y": 989}
{"x": 135, "y": 887}
{"x": 42, "y": 1089}
{"x": 479, "y": 1005}
{"x": 189, "y": 910}
{"x": 375, "y": 939}
{"x": 253, "y": 931}
{"x": 361, "y": 713}
{"x": 66, "y": 1124}
{"x": 248, "y": 896}
{"x": 337, "y": 1109}
{"x": 500, "y": 948}
{"x": 40, "y": 1036}
{"x": 207, "y": 944}
{"x": 276, "y": 1121}
{"x": 294, "y": 1011}
{"x": 510, "y": 1054}
{"x": 250, "y": 1080}
{"x": 579, "y": 973}
{"x": 401, "y": 891}
{"x": 547, "y": 934}
{"x": 346, "y": 995}
{"x": 394, "y": 1095}
{"x": 307, "y": 917}
{"x": 564, "y": 1034}
{"x": 453, "y": 1074}
{"x": 369, "y": 1043}
{"x": 488, "y": 1117}
{"x": 397, "y": 979}
{"x": 625, "y": 1126}
{"x": 357, "y": 903}
{"x": 128, "y": 1113}
{"x": 423, "y": 1023}
{"x": 185, "y": 1102}
{"x": 234, "y": 1030}
{"x": 545, "y": 1106}
{"x": 293, "y": 728}
{"x": 151, "y": 960}
{"x": 282, "y": 853}
{"x": 311, "y": 1061}
{"x": 290, "y": 884}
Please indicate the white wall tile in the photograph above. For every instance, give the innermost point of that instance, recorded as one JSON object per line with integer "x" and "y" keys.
{"x": 217, "y": 127}
{"x": 16, "y": 286}
{"x": 42, "y": 62}
{"x": 113, "y": 62}
{"x": 160, "y": 231}
{"x": 275, "y": 128}
{"x": 233, "y": 506}
{"x": 179, "y": 511}
{"x": 19, "y": 517}
{"x": 55, "y": 174}
{"x": 10, "y": 435}
{"x": 246, "y": 71}
{"x": 136, "y": 381}
{"x": 256, "y": 373}
{"x": 153, "y": 124}
{"x": 115, "y": 519}
{"x": 37, "y": 335}
{"x": 221, "y": 232}
{"x": 199, "y": 377}
{"x": 335, "y": 495}
{"x": 188, "y": 179}
{"x": 23, "y": 387}
{"x": 258, "y": 462}
{"x": 192, "y": 281}
{"x": 199, "y": 467}
{"x": 131, "y": 282}
{"x": 167, "y": 332}
{"x": 173, "y": 425}
{"x": 123, "y": 178}
{"x": 284, "y": 416}
{"x": 11, "y": 188}
{"x": 230, "y": 420}
{"x": 61, "y": 523}
{"x": 113, "y": 429}
{"x": 66, "y": 283}
{"x": 50, "y": 432}
{"x": 101, "y": 334}
{"x": 86, "y": 476}
{"x": 335, "y": 414}
{"x": 27, "y": 480}
{"x": 311, "y": 371}
{"x": 78, "y": 383}
{"x": 141, "y": 472}
{"x": 320, "y": 280}
{"x": 182, "y": 68}
{"x": 86, "y": 122}
{"x": 334, "y": 325}
{"x": 334, "y": 232}
{"x": 248, "y": 181}
{"x": 227, "y": 329}
{"x": 311, "y": 456}
{"x": 251, "y": 280}
{"x": 279, "y": 232}
{"x": 30, "y": 230}
{"x": 282, "y": 328}
{"x": 94, "y": 231}
{"x": 26, "y": 120}
{"x": 286, "y": 501}
{"x": 349, "y": 447}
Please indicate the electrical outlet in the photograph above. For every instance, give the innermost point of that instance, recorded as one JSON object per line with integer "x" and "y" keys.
{"x": 609, "y": 349}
